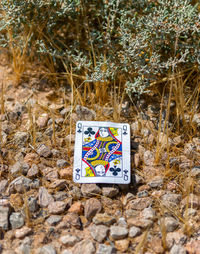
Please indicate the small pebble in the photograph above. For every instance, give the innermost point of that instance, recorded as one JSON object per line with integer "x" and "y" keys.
{"x": 118, "y": 233}
{"x": 69, "y": 240}
{"x": 53, "y": 220}
{"x": 92, "y": 207}
{"x": 62, "y": 163}
{"x": 44, "y": 151}
{"x": 105, "y": 249}
{"x": 134, "y": 231}
{"x": 22, "y": 232}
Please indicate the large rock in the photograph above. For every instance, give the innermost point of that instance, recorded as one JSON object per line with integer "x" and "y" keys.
{"x": 122, "y": 245}
{"x": 156, "y": 182}
{"x": 105, "y": 249}
{"x": 44, "y": 197}
{"x": 20, "y": 184}
{"x": 171, "y": 199}
{"x": 140, "y": 203}
{"x": 22, "y": 232}
{"x": 148, "y": 213}
{"x": 90, "y": 189}
{"x": 99, "y": 233}
{"x": 57, "y": 207}
{"x": 191, "y": 201}
{"x": 85, "y": 246}
{"x": 110, "y": 191}
{"x": 193, "y": 247}
{"x": 16, "y": 220}
{"x": 69, "y": 240}
{"x": 134, "y": 231}
{"x": 54, "y": 219}
{"x": 176, "y": 237}
{"x": 72, "y": 219}
{"x": 85, "y": 113}
{"x": 47, "y": 249}
{"x": 178, "y": 249}
{"x": 170, "y": 224}
{"x": 21, "y": 138}
{"x": 118, "y": 233}
{"x": 62, "y": 163}
{"x": 92, "y": 207}
{"x": 103, "y": 218}
{"x": 4, "y": 214}
{"x": 33, "y": 171}
{"x": 3, "y": 186}
{"x": 44, "y": 151}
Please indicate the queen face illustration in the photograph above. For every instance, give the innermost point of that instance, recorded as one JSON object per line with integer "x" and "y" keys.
{"x": 103, "y": 132}
{"x": 100, "y": 170}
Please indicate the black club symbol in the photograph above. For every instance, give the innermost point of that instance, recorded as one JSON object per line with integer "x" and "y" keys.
{"x": 78, "y": 170}
{"x": 115, "y": 170}
{"x": 89, "y": 132}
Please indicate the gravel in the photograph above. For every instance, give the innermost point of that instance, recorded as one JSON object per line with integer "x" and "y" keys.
{"x": 43, "y": 211}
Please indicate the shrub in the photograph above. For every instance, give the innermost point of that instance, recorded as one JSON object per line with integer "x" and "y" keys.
{"x": 137, "y": 41}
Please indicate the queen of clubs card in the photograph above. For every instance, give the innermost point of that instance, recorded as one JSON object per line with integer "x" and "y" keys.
{"x": 99, "y": 154}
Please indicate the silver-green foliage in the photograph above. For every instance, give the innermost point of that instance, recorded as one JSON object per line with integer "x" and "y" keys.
{"x": 138, "y": 40}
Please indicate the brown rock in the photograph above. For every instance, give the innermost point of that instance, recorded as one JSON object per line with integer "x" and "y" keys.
{"x": 193, "y": 247}
{"x": 57, "y": 207}
{"x": 140, "y": 203}
{"x": 33, "y": 171}
{"x": 3, "y": 186}
{"x": 59, "y": 184}
{"x": 90, "y": 189}
{"x": 148, "y": 158}
{"x": 175, "y": 238}
{"x": 4, "y": 215}
{"x": 85, "y": 246}
{"x": 142, "y": 223}
{"x": 44, "y": 197}
{"x": 155, "y": 245}
{"x": 111, "y": 205}
{"x": 50, "y": 174}
{"x": 22, "y": 232}
{"x": 192, "y": 201}
{"x": 42, "y": 120}
{"x": 110, "y": 191}
{"x": 122, "y": 245}
{"x": 150, "y": 172}
{"x": 172, "y": 185}
{"x": 72, "y": 219}
{"x": 39, "y": 238}
{"x": 66, "y": 173}
{"x": 143, "y": 188}
{"x": 98, "y": 233}
{"x": 69, "y": 240}
{"x": 77, "y": 207}
{"x": 103, "y": 218}
{"x": 31, "y": 158}
{"x": 44, "y": 150}
{"x": 92, "y": 207}
{"x": 137, "y": 159}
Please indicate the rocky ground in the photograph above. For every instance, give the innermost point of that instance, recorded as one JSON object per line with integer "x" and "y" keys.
{"x": 42, "y": 211}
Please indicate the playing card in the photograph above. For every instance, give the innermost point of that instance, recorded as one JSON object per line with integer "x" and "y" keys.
{"x": 102, "y": 153}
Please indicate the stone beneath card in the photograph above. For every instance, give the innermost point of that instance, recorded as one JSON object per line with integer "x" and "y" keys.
{"x": 102, "y": 152}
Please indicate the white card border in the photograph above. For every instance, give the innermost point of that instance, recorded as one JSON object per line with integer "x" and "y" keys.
{"x": 125, "y": 151}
